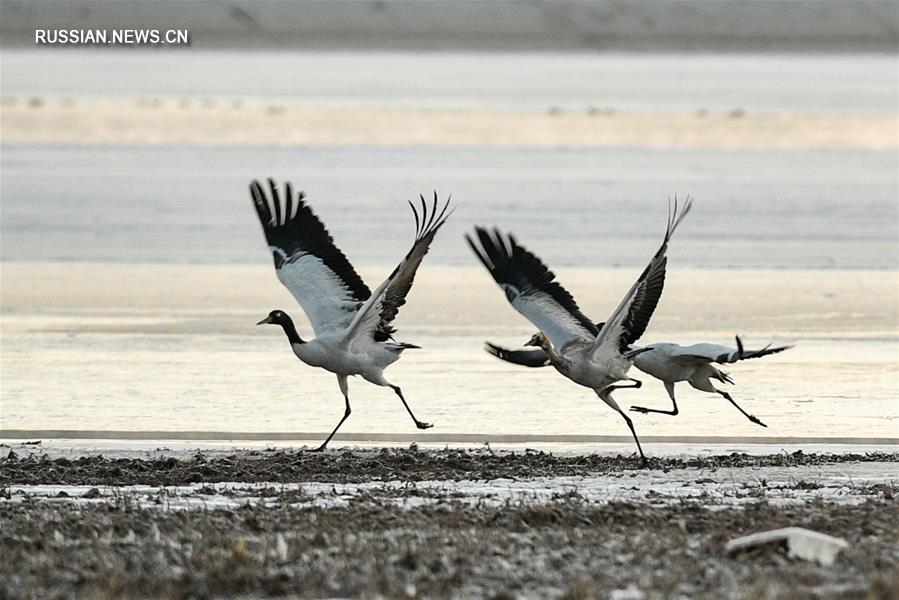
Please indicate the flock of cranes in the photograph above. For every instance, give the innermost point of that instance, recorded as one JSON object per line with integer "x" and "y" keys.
{"x": 353, "y": 327}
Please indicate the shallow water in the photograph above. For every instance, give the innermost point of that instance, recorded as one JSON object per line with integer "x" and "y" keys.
{"x": 186, "y": 356}
{"x": 574, "y": 207}
{"x": 255, "y": 385}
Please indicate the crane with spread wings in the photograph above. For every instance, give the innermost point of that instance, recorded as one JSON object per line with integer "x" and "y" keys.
{"x": 353, "y": 326}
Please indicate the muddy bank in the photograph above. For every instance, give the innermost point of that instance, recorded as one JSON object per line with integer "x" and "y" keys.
{"x": 361, "y": 465}
{"x": 569, "y": 548}
{"x": 438, "y": 523}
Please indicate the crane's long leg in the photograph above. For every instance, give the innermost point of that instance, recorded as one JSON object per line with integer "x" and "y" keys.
{"x": 419, "y": 424}
{"x": 752, "y": 418}
{"x": 346, "y": 413}
{"x": 669, "y": 385}
{"x": 636, "y": 385}
{"x": 606, "y": 396}
{"x": 705, "y": 385}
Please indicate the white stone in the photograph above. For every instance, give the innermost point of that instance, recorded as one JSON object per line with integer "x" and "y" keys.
{"x": 801, "y": 543}
{"x": 631, "y": 592}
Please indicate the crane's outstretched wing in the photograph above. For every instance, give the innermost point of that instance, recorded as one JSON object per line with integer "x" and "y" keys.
{"x": 531, "y": 287}
{"x": 426, "y": 226}
{"x": 306, "y": 260}
{"x": 376, "y": 316}
{"x": 526, "y": 357}
{"x": 631, "y": 318}
{"x": 715, "y": 353}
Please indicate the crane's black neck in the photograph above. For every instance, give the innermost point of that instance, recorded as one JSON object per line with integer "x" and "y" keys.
{"x": 291, "y": 331}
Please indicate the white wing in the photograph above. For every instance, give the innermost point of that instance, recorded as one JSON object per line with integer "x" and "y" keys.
{"x": 306, "y": 260}
{"x": 715, "y": 353}
{"x": 531, "y": 287}
{"x": 325, "y": 298}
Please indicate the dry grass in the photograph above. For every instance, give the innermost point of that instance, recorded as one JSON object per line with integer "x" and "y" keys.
{"x": 395, "y": 542}
{"x": 569, "y": 549}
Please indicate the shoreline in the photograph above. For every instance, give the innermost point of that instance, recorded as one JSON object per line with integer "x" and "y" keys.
{"x": 27, "y": 464}
{"x": 197, "y": 440}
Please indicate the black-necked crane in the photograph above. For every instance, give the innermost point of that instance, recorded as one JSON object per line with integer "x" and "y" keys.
{"x": 353, "y": 326}
{"x": 593, "y": 357}
{"x": 667, "y": 362}
{"x": 695, "y": 364}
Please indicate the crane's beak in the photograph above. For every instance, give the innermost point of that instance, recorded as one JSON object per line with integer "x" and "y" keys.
{"x": 265, "y": 321}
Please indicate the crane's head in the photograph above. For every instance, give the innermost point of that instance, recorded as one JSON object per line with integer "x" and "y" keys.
{"x": 538, "y": 339}
{"x": 276, "y": 317}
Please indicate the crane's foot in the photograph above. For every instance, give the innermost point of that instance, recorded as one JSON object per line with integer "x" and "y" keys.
{"x": 321, "y": 448}
{"x": 756, "y": 420}
{"x": 646, "y": 411}
{"x": 423, "y": 425}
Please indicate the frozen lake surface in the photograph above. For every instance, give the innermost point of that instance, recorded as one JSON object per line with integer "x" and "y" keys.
{"x": 574, "y": 207}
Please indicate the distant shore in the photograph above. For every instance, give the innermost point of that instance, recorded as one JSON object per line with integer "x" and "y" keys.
{"x": 182, "y": 121}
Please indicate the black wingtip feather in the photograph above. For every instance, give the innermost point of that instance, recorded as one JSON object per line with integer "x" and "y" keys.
{"x": 743, "y": 354}
{"x": 414, "y": 214}
{"x": 288, "y": 200}
{"x": 276, "y": 201}
{"x": 260, "y": 204}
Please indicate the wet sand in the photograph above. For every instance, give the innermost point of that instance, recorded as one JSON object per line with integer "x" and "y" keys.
{"x": 192, "y": 121}
{"x": 181, "y": 299}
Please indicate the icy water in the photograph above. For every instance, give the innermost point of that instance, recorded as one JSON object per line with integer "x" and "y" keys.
{"x": 133, "y": 274}
{"x": 585, "y": 207}
{"x": 841, "y": 83}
